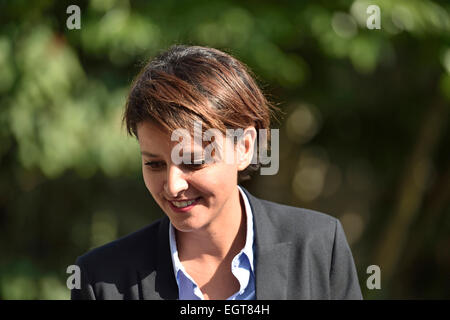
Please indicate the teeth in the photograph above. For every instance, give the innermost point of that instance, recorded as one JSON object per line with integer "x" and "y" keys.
{"x": 182, "y": 204}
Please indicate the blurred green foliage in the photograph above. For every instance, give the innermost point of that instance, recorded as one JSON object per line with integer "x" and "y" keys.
{"x": 364, "y": 135}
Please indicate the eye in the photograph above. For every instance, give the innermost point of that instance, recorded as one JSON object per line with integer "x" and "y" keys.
{"x": 196, "y": 164}
{"x": 154, "y": 165}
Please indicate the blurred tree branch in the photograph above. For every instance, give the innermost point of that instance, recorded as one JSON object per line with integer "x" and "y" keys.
{"x": 412, "y": 189}
{"x": 439, "y": 197}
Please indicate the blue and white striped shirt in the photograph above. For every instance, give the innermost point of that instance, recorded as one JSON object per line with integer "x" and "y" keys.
{"x": 242, "y": 265}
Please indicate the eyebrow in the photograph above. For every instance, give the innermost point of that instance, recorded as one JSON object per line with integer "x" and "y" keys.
{"x": 148, "y": 154}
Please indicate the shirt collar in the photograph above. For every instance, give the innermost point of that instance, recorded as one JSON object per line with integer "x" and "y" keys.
{"x": 247, "y": 250}
{"x": 177, "y": 266}
{"x": 248, "y": 247}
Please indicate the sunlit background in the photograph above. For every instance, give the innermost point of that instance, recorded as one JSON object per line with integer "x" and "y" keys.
{"x": 364, "y": 134}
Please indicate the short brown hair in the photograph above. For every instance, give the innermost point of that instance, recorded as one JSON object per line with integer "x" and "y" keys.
{"x": 192, "y": 83}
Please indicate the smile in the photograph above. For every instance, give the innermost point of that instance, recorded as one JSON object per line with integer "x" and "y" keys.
{"x": 184, "y": 205}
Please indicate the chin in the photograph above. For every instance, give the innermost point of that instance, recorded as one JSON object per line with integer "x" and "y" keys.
{"x": 187, "y": 226}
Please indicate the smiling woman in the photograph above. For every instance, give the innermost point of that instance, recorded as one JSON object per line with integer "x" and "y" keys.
{"x": 216, "y": 241}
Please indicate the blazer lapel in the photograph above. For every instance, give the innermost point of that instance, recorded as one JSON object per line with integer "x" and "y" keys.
{"x": 272, "y": 255}
{"x": 272, "y": 271}
{"x": 161, "y": 284}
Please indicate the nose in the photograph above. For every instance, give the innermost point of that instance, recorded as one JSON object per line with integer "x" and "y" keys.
{"x": 175, "y": 181}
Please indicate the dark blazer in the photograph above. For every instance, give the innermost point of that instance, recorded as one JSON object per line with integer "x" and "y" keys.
{"x": 299, "y": 254}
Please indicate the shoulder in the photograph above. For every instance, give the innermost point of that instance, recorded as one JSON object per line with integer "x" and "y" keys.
{"x": 285, "y": 216}
{"x": 284, "y": 223}
{"x": 125, "y": 252}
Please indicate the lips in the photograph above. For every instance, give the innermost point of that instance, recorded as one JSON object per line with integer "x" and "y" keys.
{"x": 183, "y": 205}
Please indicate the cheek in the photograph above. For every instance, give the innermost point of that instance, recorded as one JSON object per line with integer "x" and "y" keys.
{"x": 152, "y": 182}
{"x": 219, "y": 179}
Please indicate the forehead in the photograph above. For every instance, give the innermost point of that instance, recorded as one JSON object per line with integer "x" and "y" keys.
{"x": 149, "y": 134}
{"x": 152, "y": 136}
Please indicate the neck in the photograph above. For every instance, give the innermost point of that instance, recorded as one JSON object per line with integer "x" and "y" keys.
{"x": 223, "y": 238}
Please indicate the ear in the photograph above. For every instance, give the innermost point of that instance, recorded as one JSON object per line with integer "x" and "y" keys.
{"x": 245, "y": 148}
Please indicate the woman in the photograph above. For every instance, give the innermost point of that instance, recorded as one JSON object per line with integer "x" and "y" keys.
{"x": 217, "y": 241}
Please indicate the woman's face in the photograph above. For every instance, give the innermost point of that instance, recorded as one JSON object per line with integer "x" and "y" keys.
{"x": 211, "y": 187}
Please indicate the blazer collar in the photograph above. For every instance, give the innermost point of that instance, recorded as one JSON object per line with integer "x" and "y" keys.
{"x": 271, "y": 256}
